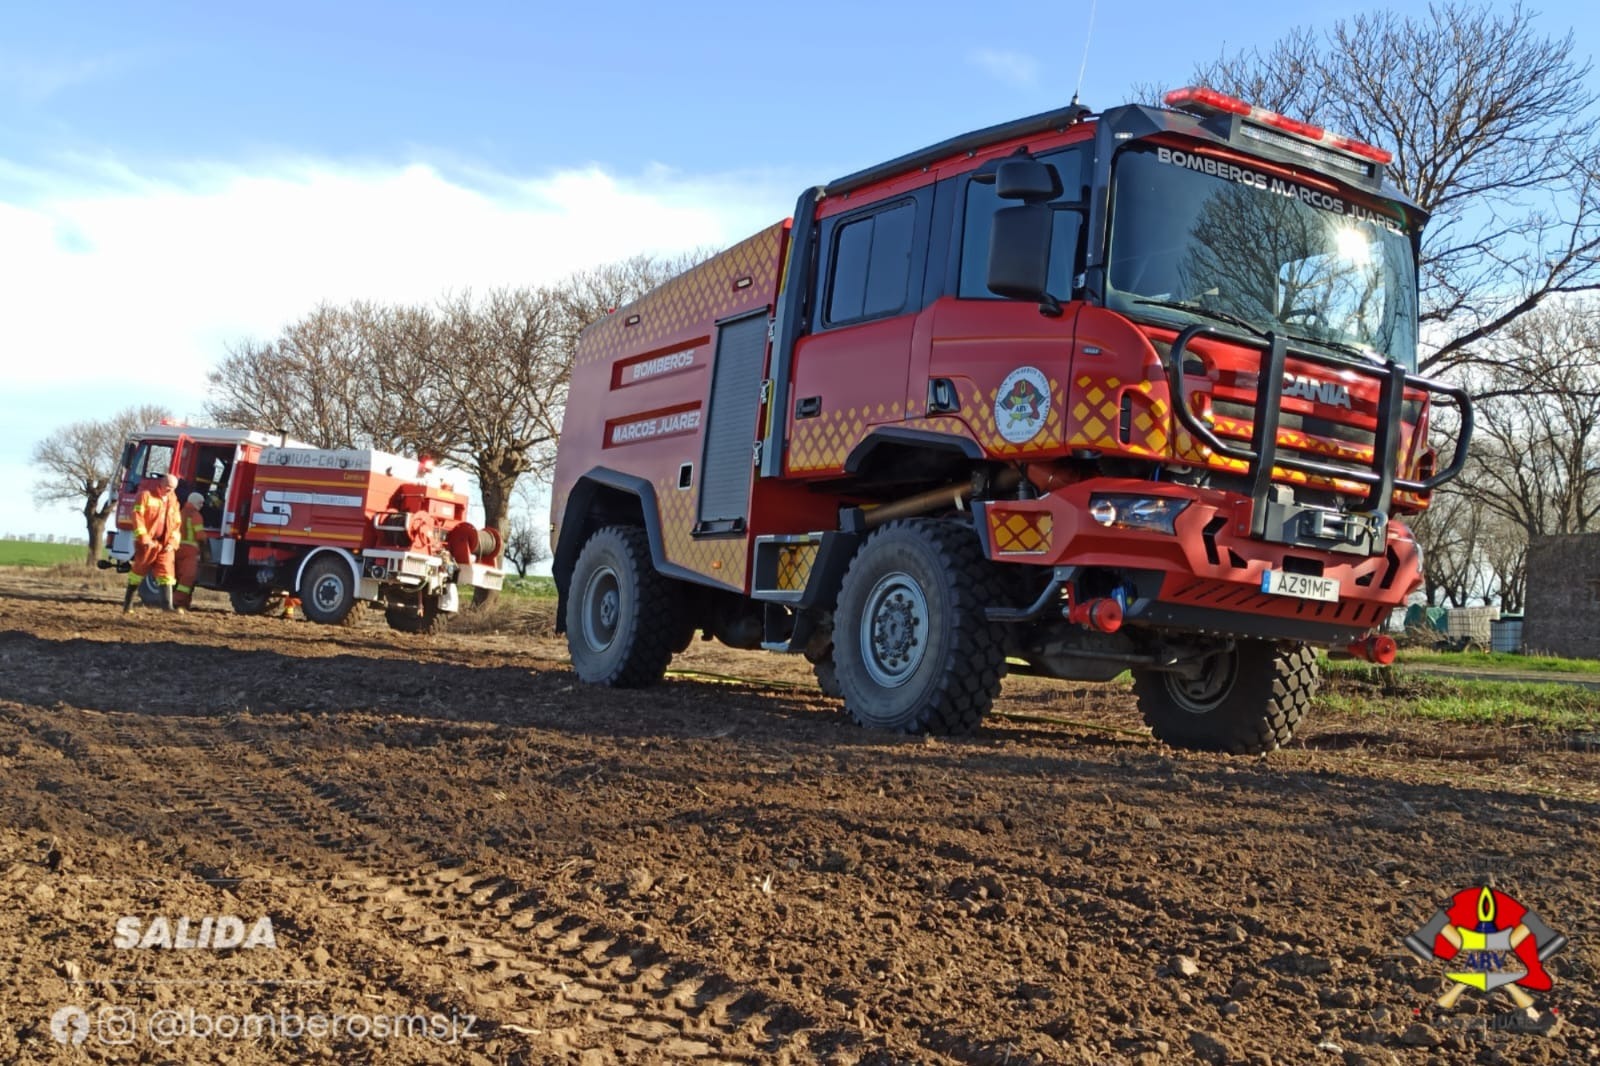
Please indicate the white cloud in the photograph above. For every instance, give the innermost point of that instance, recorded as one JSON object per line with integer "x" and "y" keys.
{"x": 113, "y": 275}
{"x": 1016, "y": 69}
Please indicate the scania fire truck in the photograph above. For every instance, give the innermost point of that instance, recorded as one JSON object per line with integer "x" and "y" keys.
{"x": 335, "y": 527}
{"x": 1072, "y": 395}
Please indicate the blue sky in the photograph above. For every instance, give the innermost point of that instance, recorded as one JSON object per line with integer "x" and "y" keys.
{"x": 177, "y": 177}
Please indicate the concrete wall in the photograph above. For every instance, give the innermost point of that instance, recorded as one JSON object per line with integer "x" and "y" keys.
{"x": 1563, "y": 602}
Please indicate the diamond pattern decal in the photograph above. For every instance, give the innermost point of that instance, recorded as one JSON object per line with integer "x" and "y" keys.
{"x": 1019, "y": 532}
{"x": 722, "y": 558}
{"x": 794, "y": 566}
{"x": 689, "y": 305}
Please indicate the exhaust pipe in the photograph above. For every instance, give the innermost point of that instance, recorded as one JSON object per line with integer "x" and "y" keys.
{"x": 955, "y": 495}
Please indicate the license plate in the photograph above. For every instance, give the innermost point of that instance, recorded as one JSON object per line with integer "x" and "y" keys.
{"x": 1301, "y": 586}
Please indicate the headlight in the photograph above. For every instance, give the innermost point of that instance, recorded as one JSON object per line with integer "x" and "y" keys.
{"x": 1153, "y": 514}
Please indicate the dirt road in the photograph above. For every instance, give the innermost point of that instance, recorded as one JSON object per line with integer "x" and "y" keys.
{"x": 450, "y": 829}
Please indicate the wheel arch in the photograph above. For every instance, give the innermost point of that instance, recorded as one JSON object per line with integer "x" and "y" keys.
{"x": 902, "y": 448}
{"x": 599, "y": 498}
{"x": 323, "y": 552}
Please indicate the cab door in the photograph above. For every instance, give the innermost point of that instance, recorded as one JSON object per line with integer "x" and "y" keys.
{"x": 850, "y": 372}
{"x": 998, "y": 365}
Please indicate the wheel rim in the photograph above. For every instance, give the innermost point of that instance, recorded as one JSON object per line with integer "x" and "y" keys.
{"x": 1207, "y": 691}
{"x": 602, "y": 608}
{"x": 894, "y": 630}
{"x": 328, "y": 592}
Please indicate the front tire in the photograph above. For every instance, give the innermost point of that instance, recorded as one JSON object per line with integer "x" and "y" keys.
{"x": 622, "y": 622}
{"x": 328, "y": 591}
{"x": 912, "y": 650}
{"x": 1247, "y": 699}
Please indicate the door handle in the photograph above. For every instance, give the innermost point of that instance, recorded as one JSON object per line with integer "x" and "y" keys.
{"x": 808, "y": 407}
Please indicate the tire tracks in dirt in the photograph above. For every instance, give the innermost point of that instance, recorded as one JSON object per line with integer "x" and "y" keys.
{"x": 457, "y": 936}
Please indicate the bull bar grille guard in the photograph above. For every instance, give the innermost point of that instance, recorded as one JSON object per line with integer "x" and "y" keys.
{"x": 1262, "y": 455}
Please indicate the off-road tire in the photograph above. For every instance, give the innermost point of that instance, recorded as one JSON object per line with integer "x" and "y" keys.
{"x": 260, "y": 601}
{"x": 404, "y": 618}
{"x": 150, "y": 592}
{"x": 1254, "y": 710}
{"x": 328, "y": 592}
{"x": 935, "y": 663}
{"x": 622, "y": 618}
{"x": 827, "y": 675}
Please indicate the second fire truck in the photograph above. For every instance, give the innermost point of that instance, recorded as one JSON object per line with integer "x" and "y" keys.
{"x": 334, "y": 527}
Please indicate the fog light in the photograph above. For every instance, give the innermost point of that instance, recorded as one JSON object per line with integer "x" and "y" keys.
{"x": 1153, "y": 514}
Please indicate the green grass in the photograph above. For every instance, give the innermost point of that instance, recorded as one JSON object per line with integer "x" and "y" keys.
{"x": 543, "y": 588}
{"x": 34, "y": 553}
{"x": 1500, "y": 660}
{"x": 1357, "y": 689}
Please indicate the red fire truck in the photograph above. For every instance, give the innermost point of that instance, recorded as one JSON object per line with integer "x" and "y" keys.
{"x": 334, "y": 527}
{"x": 1073, "y": 395}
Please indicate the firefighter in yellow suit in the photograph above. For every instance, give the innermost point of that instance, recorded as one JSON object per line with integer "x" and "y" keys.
{"x": 157, "y": 528}
{"x": 188, "y": 557}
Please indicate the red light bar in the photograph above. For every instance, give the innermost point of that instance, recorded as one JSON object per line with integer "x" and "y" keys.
{"x": 1205, "y": 101}
{"x": 1202, "y": 98}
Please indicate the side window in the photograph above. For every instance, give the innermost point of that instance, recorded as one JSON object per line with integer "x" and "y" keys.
{"x": 159, "y": 464}
{"x": 978, "y": 218}
{"x": 151, "y": 460}
{"x": 870, "y": 270}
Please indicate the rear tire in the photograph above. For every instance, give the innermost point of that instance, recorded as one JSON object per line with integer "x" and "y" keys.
{"x": 622, "y": 621}
{"x": 1248, "y": 700}
{"x": 256, "y": 601}
{"x": 912, "y": 649}
{"x": 328, "y": 591}
{"x": 406, "y": 618}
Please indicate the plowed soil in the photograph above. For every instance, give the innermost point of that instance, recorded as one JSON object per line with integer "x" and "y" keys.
{"x": 720, "y": 870}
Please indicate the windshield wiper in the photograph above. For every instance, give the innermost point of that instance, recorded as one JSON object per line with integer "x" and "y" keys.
{"x": 1207, "y": 312}
{"x": 1340, "y": 346}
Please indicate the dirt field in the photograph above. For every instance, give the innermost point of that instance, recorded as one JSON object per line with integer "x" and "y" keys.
{"x": 450, "y": 828}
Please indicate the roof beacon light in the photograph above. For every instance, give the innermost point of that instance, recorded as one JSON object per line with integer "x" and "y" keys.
{"x": 1198, "y": 100}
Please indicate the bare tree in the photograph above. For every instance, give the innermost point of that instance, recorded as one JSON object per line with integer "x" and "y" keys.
{"x": 1537, "y": 448}
{"x": 479, "y": 382}
{"x": 1450, "y": 533}
{"x": 78, "y": 462}
{"x": 1535, "y": 464}
{"x": 524, "y": 546}
{"x": 314, "y": 382}
{"x": 1493, "y": 133}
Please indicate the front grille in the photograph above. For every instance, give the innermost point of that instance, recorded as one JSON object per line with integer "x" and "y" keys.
{"x": 1301, "y": 436}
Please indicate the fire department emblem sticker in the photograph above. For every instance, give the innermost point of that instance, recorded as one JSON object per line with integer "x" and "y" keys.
{"x": 1022, "y": 405}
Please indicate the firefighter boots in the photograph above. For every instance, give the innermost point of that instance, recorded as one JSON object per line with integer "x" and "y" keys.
{"x": 127, "y": 599}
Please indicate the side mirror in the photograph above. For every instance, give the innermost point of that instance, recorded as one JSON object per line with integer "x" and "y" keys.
{"x": 1019, "y": 252}
{"x": 1026, "y": 179}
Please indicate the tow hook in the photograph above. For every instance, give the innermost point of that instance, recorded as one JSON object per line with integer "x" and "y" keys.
{"x": 1380, "y": 650}
{"x": 1102, "y": 615}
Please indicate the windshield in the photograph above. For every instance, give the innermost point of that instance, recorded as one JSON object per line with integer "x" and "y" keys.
{"x": 1208, "y": 240}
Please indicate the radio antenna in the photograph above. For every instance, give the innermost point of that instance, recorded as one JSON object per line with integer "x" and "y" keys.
{"x": 1087, "y": 38}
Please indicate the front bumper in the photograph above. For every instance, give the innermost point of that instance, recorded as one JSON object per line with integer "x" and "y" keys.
{"x": 1207, "y": 576}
